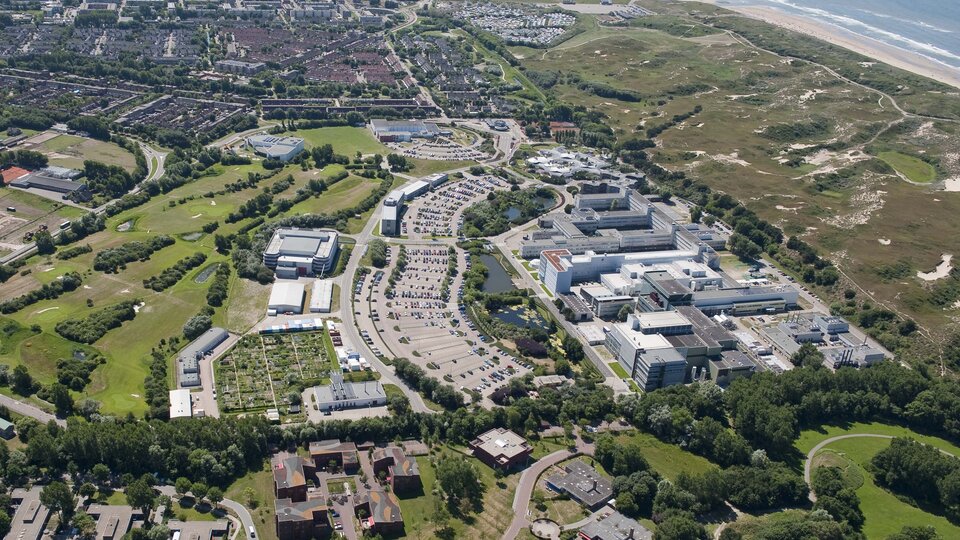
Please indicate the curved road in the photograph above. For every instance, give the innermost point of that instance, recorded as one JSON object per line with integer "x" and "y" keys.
{"x": 808, "y": 464}
{"x": 528, "y": 481}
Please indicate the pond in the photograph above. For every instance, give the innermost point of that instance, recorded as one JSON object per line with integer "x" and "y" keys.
{"x": 205, "y": 274}
{"x": 521, "y": 316}
{"x": 543, "y": 203}
{"x": 498, "y": 280}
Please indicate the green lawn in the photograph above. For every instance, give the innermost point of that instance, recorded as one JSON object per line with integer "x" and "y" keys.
{"x": 262, "y": 509}
{"x": 618, "y": 370}
{"x": 808, "y": 439}
{"x": 418, "y": 509}
{"x": 345, "y": 140}
{"x": 346, "y": 193}
{"x": 913, "y": 168}
{"x": 884, "y": 513}
{"x": 547, "y": 446}
{"x": 424, "y": 167}
{"x": 667, "y": 459}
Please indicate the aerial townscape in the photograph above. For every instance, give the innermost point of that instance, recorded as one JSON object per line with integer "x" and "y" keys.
{"x": 479, "y": 269}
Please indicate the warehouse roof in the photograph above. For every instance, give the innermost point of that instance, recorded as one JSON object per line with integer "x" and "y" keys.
{"x": 286, "y": 293}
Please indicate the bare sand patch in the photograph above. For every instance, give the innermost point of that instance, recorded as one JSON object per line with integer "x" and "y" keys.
{"x": 941, "y": 271}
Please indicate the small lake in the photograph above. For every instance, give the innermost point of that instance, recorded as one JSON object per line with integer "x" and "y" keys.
{"x": 498, "y": 280}
{"x": 543, "y": 203}
{"x": 521, "y": 316}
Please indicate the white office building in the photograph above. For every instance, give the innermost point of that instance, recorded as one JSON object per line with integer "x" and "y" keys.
{"x": 274, "y": 147}
{"x": 292, "y": 253}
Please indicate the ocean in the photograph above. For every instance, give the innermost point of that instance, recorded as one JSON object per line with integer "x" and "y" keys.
{"x": 930, "y": 28}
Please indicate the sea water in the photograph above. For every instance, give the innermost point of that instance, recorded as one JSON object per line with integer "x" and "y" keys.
{"x": 930, "y": 28}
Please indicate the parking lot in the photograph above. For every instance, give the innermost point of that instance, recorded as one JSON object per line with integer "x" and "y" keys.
{"x": 440, "y": 213}
{"x": 423, "y": 321}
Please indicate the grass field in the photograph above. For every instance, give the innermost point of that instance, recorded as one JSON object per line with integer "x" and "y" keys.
{"x": 419, "y": 509}
{"x": 423, "y": 167}
{"x": 810, "y": 438}
{"x": 884, "y": 513}
{"x": 71, "y": 151}
{"x": 667, "y": 459}
{"x": 346, "y": 193}
{"x": 262, "y": 511}
{"x": 914, "y": 168}
{"x": 345, "y": 140}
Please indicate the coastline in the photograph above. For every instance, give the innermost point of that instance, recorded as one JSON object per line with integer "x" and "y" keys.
{"x": 847, "y": 39}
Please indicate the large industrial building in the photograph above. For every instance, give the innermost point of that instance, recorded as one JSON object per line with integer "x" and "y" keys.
{"x": 609, "y": 219}
{"x": 339, "y": 395}
{"x": 403, "y": 130}
{"x": 395, "y": 201}
{"x": 188, "y": 361}
{"x": 321, "y": 299}
{"x": 274, "y": 147}
{"x": 286, "y": 297}
{"x": 292, "y": 253}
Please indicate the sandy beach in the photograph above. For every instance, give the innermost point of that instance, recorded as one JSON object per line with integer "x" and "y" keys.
{"x": 842, "y": 37}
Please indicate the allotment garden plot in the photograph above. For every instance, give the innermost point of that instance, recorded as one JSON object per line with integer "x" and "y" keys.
{"x": 263, "y": 371}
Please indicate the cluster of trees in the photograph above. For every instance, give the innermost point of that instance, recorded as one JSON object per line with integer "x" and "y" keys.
{"x": 398, "y": 163}
{"x": 378, "y": 252}
{"x": 156, "y": 389}
{"x": 785, "y": 133}
{"x": 27, "y": 159}
{"x": 442, "y": 394}
{"x": 219, "y": 289}
{"x": 460, "y": 483}
{"x": 921, "y": 472}
{"x": 110, "y": 180}
{"x": 258, "y": 205}
{"x": 72, "y": 252}
{"x": 677, "y": 118}
{"x": 607, "y": 91}
{"x": 836, "y": 496}
{"x": 111, "y": 260}
{"x": 68, "y": 282}
{"x": 197, "y": 325}
{"x": 92, "y": 125}
{"x": 81, "y": 228}
{"x": 490, "y": 217}
{"x": 170, "y": 276}
{"x": 74, "y": 372}
{"x": 93, "y": 327}
{"x": 324, "y": 155}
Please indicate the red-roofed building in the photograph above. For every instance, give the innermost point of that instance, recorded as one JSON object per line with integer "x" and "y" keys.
{"x": 12, "y": 173}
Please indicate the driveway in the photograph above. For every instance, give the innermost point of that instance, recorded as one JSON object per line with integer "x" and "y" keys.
{"x": 528, "y": 481}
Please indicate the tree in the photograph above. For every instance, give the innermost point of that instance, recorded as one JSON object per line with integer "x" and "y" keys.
{"x": 100, "y": 473}
{"x": 85, "y": 524}
{"x": 680, "y": 526}
{"x": 196, "y": 326}
{"x": 61, "y": 399}
{"x": 215, "y": 495}
{"x": 624, "y": 312}
{"x": 182, "y": 486}
{"x": 141, "y": 495}
{"x": 87, "y": 490}
{"x": 57, "y": 497}
{"x": 807, "y": 355}
{"x": 199, "y": 490}
{"x": 21, "y": 381}
{"x": 909, "y": 532}
{"x": 743, "y": 247}
{"x": 45, "y": 243}
{"x": 4, "y": 522}
{"x": 459, "y": 480}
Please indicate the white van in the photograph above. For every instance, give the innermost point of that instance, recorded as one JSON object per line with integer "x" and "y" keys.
{"x": 253, "y": 532}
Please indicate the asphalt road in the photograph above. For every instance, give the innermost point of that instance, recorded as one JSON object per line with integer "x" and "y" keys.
{"x": 32, "y": 411}
{"x": 528, "y": 481}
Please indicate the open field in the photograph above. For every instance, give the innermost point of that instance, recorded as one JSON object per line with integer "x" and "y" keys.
{"x": 489, "y": 523}
{"x": 884, "y": 513}
{"x": 810, "y": 438}
{"x": 71, "y": 151}
{"x": 344, "y": 194}
{"x": 667, "y": 459}
{"x": 752, "y": 140}
{"x": 345, "y": 140}
{"x": 913, "y": 168}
